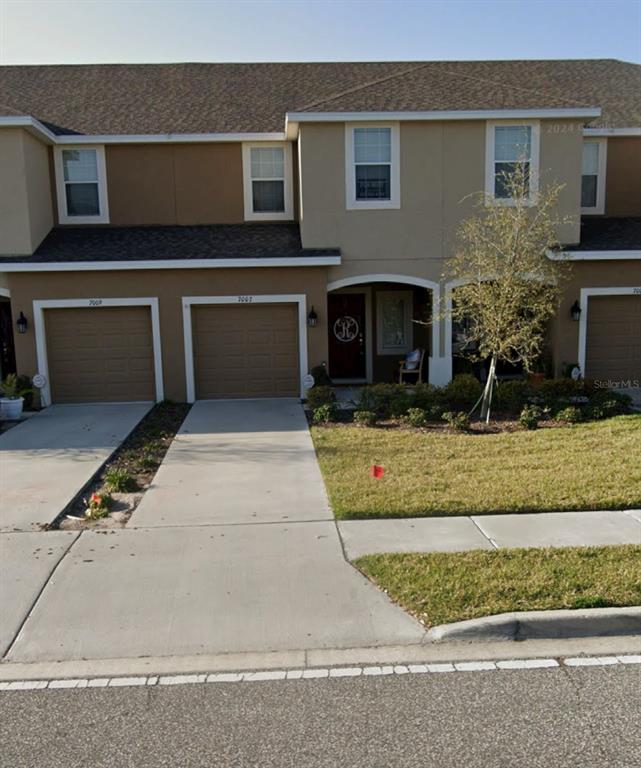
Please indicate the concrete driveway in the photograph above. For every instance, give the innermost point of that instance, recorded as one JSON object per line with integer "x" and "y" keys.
{"x": 237, "y": 461}
{"x": 46, "y": 461}
{"x": 233, "y": 549}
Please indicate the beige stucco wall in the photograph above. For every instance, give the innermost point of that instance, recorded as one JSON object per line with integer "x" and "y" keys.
{"x": 26, "y": 213}
{"x": 169, "y": 286}
{"x": 623, "y": 176}
{"x": 586, "y": 274}
{"x": 441, "y": 164}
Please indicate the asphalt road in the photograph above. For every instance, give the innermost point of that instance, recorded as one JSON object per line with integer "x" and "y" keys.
{"x": 555, "y": 718}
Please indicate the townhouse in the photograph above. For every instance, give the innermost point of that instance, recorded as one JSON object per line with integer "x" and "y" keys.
{"x": 218, "y": 230}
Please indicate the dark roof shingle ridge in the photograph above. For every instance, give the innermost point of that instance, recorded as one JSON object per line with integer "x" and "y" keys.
{"x": 461, "y": 75}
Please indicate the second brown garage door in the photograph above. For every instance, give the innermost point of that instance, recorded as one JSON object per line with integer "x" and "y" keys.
{"x": 246, "y": 351}
{"x": 100, "y": 354}
{"x": 614, "y": 338}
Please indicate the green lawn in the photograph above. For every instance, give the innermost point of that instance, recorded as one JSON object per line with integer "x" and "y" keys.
{"x": 443, "y": 587}
{"x": 585, "y": 466}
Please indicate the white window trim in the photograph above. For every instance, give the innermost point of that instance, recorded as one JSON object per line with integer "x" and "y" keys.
{"x": 352, "y": 204}
{"x": 288, "y": 213}
{"x": 39, "y": 307}
{"x": 490, "y": 125}
{"x": 599, "y": 208}
{"x": 289, "y": 298}
{"x": 407, "y": 296}
{"x": 103, "y": 202}
{"x": 584, "y": 303}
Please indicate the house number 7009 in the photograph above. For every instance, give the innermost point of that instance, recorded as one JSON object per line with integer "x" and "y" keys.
{"x": 245, "y": 299}
{"x": 95, "y": 302}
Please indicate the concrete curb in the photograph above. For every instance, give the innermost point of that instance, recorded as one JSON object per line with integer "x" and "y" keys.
{"x": 430, "y": 653}
{"x": 534, "y": 625}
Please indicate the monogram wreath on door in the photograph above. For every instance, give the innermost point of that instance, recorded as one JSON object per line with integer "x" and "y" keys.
{"x": 346, "y": 328}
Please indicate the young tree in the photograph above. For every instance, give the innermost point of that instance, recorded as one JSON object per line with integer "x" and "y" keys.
{"x": 508, "y": 289}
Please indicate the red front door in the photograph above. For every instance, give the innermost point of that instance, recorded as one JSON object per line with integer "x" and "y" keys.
{"x": 346, "y": 315}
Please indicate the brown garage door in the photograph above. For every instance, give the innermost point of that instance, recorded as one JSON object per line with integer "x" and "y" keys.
{"x": 100, "y": 354}
{"x": 246, "y": 351}
{"x": 614, "y": 338}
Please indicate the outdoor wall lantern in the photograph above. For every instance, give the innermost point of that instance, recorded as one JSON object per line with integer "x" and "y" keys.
{"x": 22, "y": 324}
{"x": 312, "y": 318}
{"x": 575, "y": 311}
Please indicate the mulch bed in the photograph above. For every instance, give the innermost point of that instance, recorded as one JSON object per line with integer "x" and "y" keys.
{"x": 140, "y": 455}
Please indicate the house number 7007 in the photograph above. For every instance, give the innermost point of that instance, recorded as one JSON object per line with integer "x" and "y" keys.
{"x": 245, "y": 299}
{"x": 95, "y": 302}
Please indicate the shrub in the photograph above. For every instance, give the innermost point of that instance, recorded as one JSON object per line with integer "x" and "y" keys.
{"x": 386, "y": 400}
{"x": 512, "y": 396}
{"x": 605, "y": 408}
{"x": 415, "y": 417}
{"x": 324, "y": 413}
{"x": 119, "y": 481}
{"x": 617, "y": 402}
{"x": 463, "y": 391}
{"x": 321, "y": 377}
{"x": 427, "y": 396}
{"x": 317, "y": 396}
{"x": 365, "y": 418}
{"x": 459, "y": 420}
{"x": 556, "y": 392}
{"x": 530, "y": 415}
{"x": 571, "y": 414}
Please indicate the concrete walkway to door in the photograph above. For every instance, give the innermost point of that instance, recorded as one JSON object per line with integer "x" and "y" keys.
{"x": 233, "y": 549}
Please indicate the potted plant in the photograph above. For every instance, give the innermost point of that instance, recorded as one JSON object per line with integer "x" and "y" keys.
{"x": 12, "y": 398}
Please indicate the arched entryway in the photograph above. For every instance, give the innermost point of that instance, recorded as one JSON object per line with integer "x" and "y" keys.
{"x": 374, "y": 320}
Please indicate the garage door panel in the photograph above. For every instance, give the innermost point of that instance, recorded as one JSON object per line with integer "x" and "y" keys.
{"x": 613, "y": 343}
{"x": 246, "y": 351}
{"x": 100, "y": 354}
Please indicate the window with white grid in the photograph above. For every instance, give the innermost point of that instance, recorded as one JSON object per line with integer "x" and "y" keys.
{"x": 372, "y": 170}
{"x": 81, "y": 185}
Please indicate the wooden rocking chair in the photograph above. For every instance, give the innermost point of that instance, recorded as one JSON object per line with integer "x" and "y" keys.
{"x": 412, "y": 365}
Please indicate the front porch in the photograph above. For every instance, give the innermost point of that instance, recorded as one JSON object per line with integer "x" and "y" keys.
{"x": 374, "y": 321}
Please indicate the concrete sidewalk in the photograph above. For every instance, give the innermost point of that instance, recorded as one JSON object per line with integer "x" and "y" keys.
{"x": 49, "y": 458}
{"x": 456, "y": 534}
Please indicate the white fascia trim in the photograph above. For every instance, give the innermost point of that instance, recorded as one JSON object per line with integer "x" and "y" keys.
{"x": 40, "y": 305}
{"x": 534, "y": 161}
{"x": 462, "y": 114}
{"x": 585, "y": 304}
{"x": 593, "y": 255}
{"x": 169, "y": 138}
{"x": 106, "y": 266}
{"x": 32, "y": 125}
{"x": 287, "y": 298}
{"x": 394, "y": 203}
{"x": 612, "y": 132}
{"x": 5, "y": 292}
{"x": 35, "y": 126}
{"x": 599, "y": 208}
{"x": 288, "y": 184}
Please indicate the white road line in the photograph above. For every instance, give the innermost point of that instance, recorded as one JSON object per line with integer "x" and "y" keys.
{"x": 314, "y": 673}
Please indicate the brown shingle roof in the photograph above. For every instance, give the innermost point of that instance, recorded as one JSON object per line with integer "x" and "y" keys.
{"x": 222, "y": 98}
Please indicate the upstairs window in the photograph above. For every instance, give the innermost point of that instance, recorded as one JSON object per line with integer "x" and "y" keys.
{"x": 81, "y": 185}
{"x": 593, "y": 176}
{"x": 372, "y": 166}
{"x": 511, "y": 148}
{"x": 373, "y": 161}
{"x": 267, "y": 172}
